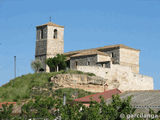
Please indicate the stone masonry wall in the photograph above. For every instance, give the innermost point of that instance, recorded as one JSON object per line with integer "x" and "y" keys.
{"x": 115, "y": 52}
{"x": 48, "y": 46}
{"x": 55, "y": 45}
{"x": 130, "y": 58}
{"x": 121, "y": 77}
{"x": 98, "y": 71}
{"x": 38, "y": 34}
{"x": 82, "y": 61}
{"x": 41, "y": 46}
{"x": 102, "y": 58}
{"x": 42, "y": 58}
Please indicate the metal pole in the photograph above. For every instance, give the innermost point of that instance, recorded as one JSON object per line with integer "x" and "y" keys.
{"x": 15, "y": 66}
{"x": 64, "y": 99}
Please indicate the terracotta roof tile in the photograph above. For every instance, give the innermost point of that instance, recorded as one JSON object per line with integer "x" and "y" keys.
{"x": 95, "y": 97}
{"x": 90, "y": 52}
{"x": 8, "y": 103}
{"x": 99, "y": 48}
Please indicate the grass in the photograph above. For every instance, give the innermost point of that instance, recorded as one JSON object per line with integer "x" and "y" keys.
{"x": 71, "y": 93}
{"x": 21, "y": 87}
{"x": 77, "y": 72}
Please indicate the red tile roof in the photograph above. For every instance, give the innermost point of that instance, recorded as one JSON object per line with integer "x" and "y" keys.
{"x": 95, "y": 97}
{"x": 7, "y": 103}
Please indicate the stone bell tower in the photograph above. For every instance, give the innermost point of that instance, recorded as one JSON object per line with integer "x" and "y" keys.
{"x": 49, "y": 42}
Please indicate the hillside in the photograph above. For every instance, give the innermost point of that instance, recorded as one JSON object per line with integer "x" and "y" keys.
{"x": 31, "y": 85}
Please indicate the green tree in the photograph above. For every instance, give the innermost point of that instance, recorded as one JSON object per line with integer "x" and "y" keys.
{"x": 39, "y": 108}
{"x": 52, "y": 108}
{"x": 72, "y": 111}
{"x": 51, "y": 63}
{"x": 6, "y": 111}
{"x": 62, "y": 62}
{"x": 57, "y": 63}
{"x": 98, "y": 111}
{"x": 36, "y": 65}
{"x": 93, "y": 112}
{"x": 117, "y": 107}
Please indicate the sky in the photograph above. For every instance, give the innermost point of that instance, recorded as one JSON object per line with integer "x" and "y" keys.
{"x": 88, "y": 24}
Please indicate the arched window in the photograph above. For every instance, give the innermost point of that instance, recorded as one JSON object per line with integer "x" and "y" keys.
{"x": 112, "y": 54}
{"x": 76, "y": 63}
{"x": 55, "y": 34}
{"x": 41, "y": 33}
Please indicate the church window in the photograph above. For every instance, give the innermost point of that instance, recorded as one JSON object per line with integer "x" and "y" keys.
{"x": 55, "y": 34}
{"x": 88, "y": 63}
{"x": 76, "y": 63}
{"x": 112, "y": 54}
{"x": 41, "y": 33}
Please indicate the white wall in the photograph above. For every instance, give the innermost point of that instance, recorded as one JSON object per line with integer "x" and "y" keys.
{"x": 121, "y": 77}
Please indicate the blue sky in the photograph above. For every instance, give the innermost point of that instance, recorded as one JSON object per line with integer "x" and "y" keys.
{"x": 88, "y": 24}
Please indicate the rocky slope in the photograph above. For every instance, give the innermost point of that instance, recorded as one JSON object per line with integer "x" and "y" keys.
{"x": 80, "y": 81}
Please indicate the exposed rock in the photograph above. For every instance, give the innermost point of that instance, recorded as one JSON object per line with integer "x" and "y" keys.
{"x": 85, "y": 82}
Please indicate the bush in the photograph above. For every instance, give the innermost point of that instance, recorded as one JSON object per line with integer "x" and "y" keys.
{"x": 6, "y": 112}
{"x": 36, "y": 65}
{"x": 57, "y": 63}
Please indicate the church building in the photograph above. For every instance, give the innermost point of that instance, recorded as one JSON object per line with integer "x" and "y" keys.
{"x": 116, "y": 63}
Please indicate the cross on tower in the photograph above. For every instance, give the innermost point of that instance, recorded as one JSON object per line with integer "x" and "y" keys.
{"x": 50, "y": 19}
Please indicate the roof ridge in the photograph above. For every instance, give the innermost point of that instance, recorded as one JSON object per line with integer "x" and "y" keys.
{"x": 50, "y": 24}
{"x": 99, "y": 48}
{"x": 89, "y": 52}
